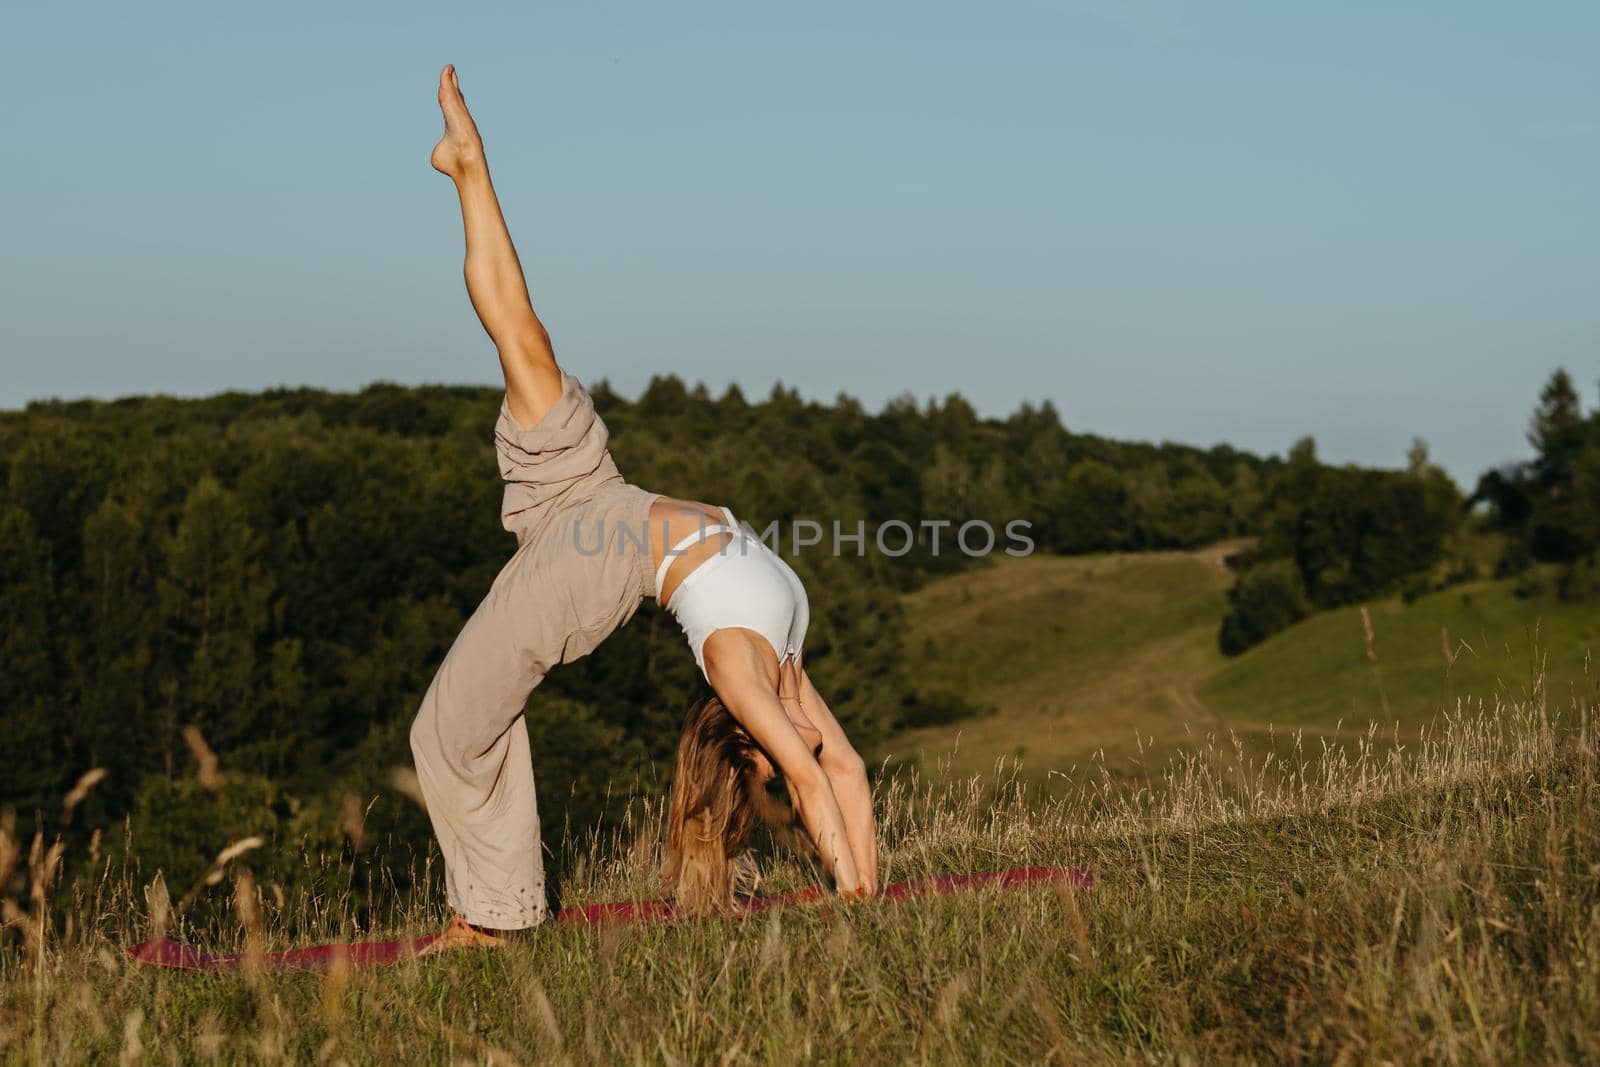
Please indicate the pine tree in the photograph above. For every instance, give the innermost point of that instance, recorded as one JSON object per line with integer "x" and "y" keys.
{"x": 1557, "y": 431}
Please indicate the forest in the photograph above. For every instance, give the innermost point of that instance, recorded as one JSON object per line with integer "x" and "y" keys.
{"x": 266, "y": 582}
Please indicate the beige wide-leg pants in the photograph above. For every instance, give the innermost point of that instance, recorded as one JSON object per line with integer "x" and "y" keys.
{"x": 581, "y": 567}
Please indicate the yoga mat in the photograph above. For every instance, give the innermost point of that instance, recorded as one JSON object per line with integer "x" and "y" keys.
{"x": 168, "y": 953}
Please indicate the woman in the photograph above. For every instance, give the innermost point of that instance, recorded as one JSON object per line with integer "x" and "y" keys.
{"x": 590, "y": 546}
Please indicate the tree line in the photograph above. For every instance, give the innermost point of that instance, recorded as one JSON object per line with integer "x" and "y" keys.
{"x": 1333, "y": 536}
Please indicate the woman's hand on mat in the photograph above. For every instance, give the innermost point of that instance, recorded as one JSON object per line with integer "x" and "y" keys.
{"x": 848, "y": 776}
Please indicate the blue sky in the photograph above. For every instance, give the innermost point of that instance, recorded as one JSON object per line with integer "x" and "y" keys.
{"x": 1199, "y": 222}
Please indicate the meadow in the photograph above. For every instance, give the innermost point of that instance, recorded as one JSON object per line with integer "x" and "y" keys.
{"x": 1114, "y": 657}
{"x": 1431, "y": 902}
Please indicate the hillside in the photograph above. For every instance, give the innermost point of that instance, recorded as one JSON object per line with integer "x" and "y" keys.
{"x": 1094, "y": 653}
{"x": 1473, "y": 642}
{"x": 1074, "y": 654}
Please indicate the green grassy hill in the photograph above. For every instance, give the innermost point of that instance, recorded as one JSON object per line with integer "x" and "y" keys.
{"x": 1118, "y": 654}
{"x": 1471, "y": 642}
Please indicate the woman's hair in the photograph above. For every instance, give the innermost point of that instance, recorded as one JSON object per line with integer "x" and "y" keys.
{"x": 717, "y": 799}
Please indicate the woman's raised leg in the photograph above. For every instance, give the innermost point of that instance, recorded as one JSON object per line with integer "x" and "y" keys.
{"x": 469, "y": 739}
{"x": 495, "y": 283}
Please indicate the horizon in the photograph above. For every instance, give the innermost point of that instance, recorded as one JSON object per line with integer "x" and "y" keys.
{"x": 922, "y": 404}
{"x": 1193, "y": 225}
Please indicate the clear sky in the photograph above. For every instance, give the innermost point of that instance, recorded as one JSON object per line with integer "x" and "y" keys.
{"x": 1195, "y": 221}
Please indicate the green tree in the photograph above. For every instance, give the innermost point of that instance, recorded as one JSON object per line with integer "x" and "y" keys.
{"x": 1267, "y": 598}
{"x": 1092, "y": 510}
{"x": 1547, "y": 507}
{"x": 38, "y": 764}
{"x": 1201, "y": 510}
{"x": 115, "y": 652}
{"x": 1557, "y": 431}
{"x": 214, "y": 600}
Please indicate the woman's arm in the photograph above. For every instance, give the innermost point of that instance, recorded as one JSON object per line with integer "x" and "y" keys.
{"x": 495, "y": 283}
{"x": 848, "y": 775}
{"x": 741, "y": 683}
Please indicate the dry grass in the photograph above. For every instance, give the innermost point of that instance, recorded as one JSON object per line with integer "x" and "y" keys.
{"x": 1436, "y": 901}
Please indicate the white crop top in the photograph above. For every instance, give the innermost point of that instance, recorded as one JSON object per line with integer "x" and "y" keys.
{"x": 745, "y": 585}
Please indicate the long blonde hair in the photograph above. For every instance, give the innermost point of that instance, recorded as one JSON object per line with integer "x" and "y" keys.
{"x": 717, "y": 800}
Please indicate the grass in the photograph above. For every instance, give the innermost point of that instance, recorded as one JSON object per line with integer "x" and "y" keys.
{"x": 1078, "y": 655}
{"x": 1468, "y": 641}
{"x": 1432, "y": 903}
{"x": 1279, "y": 879}
{"x": 1116, "y": 655}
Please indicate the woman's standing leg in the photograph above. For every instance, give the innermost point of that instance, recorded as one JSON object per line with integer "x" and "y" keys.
{"x": 475, "y": 767}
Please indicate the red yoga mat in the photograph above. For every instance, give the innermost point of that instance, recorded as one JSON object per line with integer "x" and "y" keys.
{"x": 167, "y": 953}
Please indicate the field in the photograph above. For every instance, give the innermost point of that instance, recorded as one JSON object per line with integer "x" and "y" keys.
{"x": 1114, "y": 658}
{"x": 1436, "y": 906}
{"x": 1276, "y": 880}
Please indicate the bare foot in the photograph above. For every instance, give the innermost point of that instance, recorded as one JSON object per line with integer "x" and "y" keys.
{"x": 460, "y": 149}
{"x": 459, "y": 934}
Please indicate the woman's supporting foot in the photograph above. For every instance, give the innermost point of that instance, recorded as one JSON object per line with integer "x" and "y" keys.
{"x": 462, "y": 934}
{"x": 460, "y": 149}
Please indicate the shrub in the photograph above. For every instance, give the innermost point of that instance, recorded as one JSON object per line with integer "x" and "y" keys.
{"x": 1417, "y": 587}
{"x": 936, "y": 707}
{"x": 1515, "y": 560}
{"x": 1529, "y": 585}
{"x": 1582, "y": 580}
{"x": 1267, "y": 598}
{"x": 1462, "y": 571}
